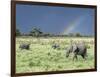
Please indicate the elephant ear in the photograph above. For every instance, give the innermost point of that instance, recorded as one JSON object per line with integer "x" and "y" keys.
{"x": 75, "y": 48}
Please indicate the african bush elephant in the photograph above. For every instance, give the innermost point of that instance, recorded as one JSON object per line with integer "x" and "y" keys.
{"x": 24, "y": 46}
{"x": 77, "y": 49}
{"x": 55, "y": 46}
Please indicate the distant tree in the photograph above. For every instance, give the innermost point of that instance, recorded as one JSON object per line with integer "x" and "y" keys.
{"x": 36, "y": 32}
{"x": 18, "y": 33}
{"x": 78, "y": 35}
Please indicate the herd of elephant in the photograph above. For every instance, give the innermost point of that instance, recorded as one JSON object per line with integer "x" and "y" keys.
{"x": 75, "y": 48}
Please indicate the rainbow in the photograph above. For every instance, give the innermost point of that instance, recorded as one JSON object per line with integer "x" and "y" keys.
{"x": 73, "y": 25}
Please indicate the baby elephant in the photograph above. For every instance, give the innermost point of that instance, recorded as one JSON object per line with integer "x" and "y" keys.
{"x": 24, "y": 46}
{"x": 55, "y": 46}
{"x": 77, "y": 49}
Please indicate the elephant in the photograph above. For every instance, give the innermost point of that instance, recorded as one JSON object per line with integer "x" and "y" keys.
{"x": 24, "y": 46}
{"x": 77, "y": 49}
{"x": 55, "y": 46}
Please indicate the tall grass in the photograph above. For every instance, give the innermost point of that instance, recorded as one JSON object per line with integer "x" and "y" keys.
{"x": 42, "y": 57}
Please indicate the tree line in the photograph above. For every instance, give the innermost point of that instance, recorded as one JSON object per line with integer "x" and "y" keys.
{"x": 36, "y": 32}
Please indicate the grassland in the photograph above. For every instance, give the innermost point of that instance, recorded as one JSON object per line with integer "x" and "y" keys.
{"x": 42, "y": 57}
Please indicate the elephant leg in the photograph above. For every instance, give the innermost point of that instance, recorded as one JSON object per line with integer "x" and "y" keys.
{"x": 84, "y": 57}
{"x": 74, "y": 57}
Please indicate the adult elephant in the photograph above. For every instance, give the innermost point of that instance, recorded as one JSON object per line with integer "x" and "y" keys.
{"x": 24, "y": 46}
{"x": 77, "y": 49}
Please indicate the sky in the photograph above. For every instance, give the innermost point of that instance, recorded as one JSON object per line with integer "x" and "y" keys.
{"x": 55, "y": 20}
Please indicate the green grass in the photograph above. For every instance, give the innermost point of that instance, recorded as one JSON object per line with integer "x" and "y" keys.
{"x": 42, "y": 57}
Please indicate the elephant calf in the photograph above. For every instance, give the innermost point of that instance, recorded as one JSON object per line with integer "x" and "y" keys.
{"x": 55, "y": 46}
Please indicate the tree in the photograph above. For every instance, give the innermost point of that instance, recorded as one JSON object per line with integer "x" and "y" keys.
{"x": 78, "y": 35}
{"x": 18, "y": 33}
{"x": 36, "y": 32}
